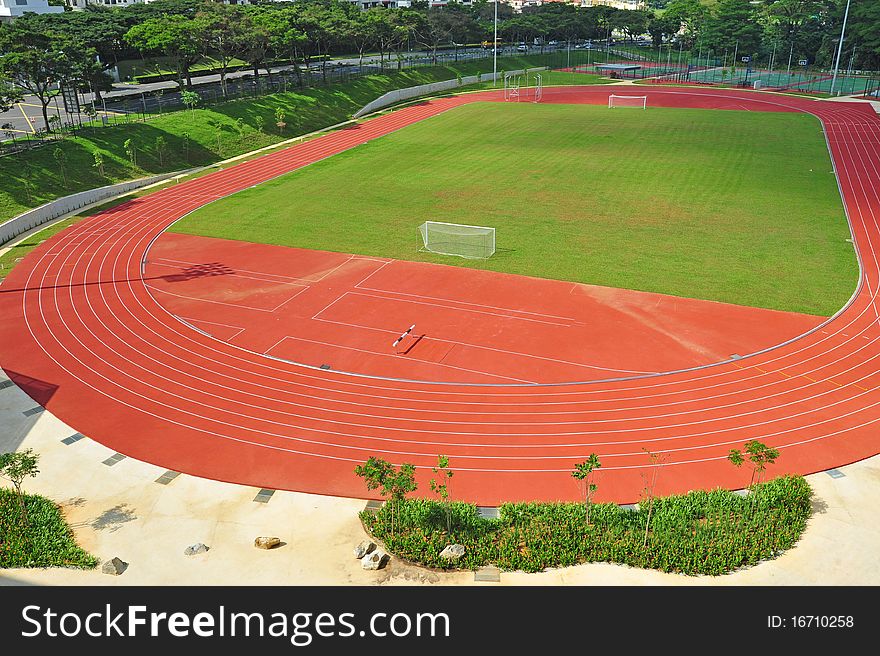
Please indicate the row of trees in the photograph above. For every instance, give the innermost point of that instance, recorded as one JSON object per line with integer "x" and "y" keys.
{"x": 37, "y": 52}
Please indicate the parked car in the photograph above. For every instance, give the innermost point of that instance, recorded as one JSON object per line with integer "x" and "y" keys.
{"x": 522, "y": 47}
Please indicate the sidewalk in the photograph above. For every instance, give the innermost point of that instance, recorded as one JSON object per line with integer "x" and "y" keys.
{"x": 121, "y": 510}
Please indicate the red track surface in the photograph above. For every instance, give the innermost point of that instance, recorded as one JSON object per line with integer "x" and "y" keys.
{"x": 84, "y": 336}
{"x": 344, "y": 311}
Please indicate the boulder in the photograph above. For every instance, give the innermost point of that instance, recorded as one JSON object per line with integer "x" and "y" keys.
{"x": 374, "y": 560}
{"x": 193, "y": 549}
{"x": 266, "y": 543}
{"x": 452, "y": 552}
{"x": 115, "y": 566}
{"x": 363, "y": 549}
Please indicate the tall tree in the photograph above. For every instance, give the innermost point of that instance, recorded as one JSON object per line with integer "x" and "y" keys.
{"x": 866, "y": 30}
{"x": 691, "y": 16}
{"x": 733, "y": 26}
{"x": 222, "y": 30}
{"x": 34, "y": 62}
{"x": 176, "y": 37}
{"x": 9, "y": 95}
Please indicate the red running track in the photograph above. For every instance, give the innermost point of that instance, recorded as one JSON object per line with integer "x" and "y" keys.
{"x": 343, "y": 312}
{"x": 83, "y": 335}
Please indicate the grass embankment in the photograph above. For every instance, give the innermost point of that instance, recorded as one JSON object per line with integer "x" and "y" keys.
{"x": 48, "y": 540}
{"x": 698, "y": 533}
{"x": 214, "y": 133}
{"x": 740, "y": 207}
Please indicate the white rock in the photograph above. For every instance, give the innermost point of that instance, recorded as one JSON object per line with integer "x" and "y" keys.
{"x": 266, "y": 543}
{"x": 114, "y": 566}
{"x": 193, "y": 549}
{"x": 363, "y": 549}
{"x": 452, "y": 551}
{"x": 373, "y": 560}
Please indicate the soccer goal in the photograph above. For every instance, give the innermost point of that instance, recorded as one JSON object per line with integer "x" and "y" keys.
{"x": 472, "y": 242}
{"x": 539, "y": 88}
{"x": 627, "y": 101}
{"x": 512, "y": 83}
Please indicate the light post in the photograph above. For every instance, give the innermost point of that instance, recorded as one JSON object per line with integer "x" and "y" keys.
{"x": 839, "y": 48}
{"x": 495, "y": 48}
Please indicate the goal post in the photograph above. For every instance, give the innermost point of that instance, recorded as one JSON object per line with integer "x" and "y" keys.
{"x": 471, "y": 242}
{"x": 640, "y": 102}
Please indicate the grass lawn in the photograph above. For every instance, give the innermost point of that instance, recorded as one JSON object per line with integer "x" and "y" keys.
{"x": 47, "y": 540}
{"x": 213, "y": 133}
{"x": 739, "y": 207}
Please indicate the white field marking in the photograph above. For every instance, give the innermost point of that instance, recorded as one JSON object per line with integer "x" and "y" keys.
{"x": 391, "y": 355}
{"x": 440, "y": 305}
{"x": 235, "y": 305}
{"x": 571, "y": 320}
{"x": 216, "y": 323}
{"x": 488, "y": 348}
{"x": 373, "y": 273}
{"x": 238, "y": 273}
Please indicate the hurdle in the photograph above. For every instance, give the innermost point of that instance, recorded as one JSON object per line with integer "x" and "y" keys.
{"x": 402, "y": 335}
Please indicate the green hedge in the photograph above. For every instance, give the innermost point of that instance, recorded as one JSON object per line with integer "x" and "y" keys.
{"x": 48, "y": 541}
{"x": 698, "y": 533}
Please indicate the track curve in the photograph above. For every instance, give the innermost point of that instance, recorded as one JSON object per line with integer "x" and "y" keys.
{"x": 80, "y": 332}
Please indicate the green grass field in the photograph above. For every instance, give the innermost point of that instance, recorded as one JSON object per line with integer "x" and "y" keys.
{"x": 740, "y": 207}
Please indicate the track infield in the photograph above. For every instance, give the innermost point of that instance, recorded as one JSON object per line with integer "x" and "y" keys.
{"x": 736, "y": 207}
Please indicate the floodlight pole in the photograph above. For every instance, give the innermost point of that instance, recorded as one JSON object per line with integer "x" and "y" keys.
{"x": 495, "y": 49}
{"x": 839, "y": 48}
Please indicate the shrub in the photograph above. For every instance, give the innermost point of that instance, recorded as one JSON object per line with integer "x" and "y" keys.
{"x": 701, "y": 532}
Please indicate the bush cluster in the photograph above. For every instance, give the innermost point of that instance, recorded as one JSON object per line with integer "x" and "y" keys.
{"x": 698, "y": 533}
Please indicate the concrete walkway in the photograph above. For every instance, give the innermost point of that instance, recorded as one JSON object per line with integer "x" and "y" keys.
{"x": 120, "y": 510}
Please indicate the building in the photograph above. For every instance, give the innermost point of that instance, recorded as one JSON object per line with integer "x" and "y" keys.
{"x": 616, "y": 4}
{"x": 10, "y": 9}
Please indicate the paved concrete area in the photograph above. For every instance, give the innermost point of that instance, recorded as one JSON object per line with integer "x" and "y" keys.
{"x": 121, "y": 510}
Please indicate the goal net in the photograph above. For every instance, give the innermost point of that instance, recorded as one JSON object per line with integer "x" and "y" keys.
{"x": 472, "y": 242}
{"x": 627, "y": 101}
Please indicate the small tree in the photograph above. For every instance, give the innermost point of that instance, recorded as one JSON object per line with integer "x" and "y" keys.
{"x": 184, "y": 137}
{"x": 259, "y": 122}
{"x": 161, "y": 149}
{"x": 131, "y": 151}
{"x": 759, "y": 454}
{"x": 15, "y": 467}
{"x": 441, "y": 487}
{"x": 650, "y": 480}
{"x": 218, "y": 130}
{"x": 391, "y": 482}
{"x": 583, "y": 473}
{"x": 27, "y": 180}
{"x": 99, "y": 162}
{"x": 279, "y": 119}
{"x": 61, "y": 158}
{"x": 239, "y": 125}
{"x": 190, "y": 99}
